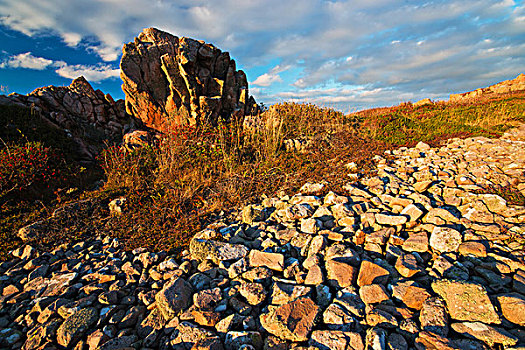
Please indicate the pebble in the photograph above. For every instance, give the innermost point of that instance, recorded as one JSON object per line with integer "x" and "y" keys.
{"x": 412, "y": 258}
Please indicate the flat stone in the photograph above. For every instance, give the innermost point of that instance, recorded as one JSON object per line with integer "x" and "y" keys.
{"x": 372, "y": 273}
{"x": 207, "y": 299}
{"x": 75, "y": 326}
{"x": 494, "y": 203}
{"x": 336, "y": 340}
{"x": 380, "y": 237}
{"x": 205, "y": 318}
{"x": 488, "y": 334}
{"x": 413, "y": 212}
{"x": 292, "y": 321}
{"x": 416, "y": 242}
{"x": 422, "y": 186}
{"x": 390, "y": 219}
{"x": 188, "y": 334}
{"x": 466, "y": 301}
{"x": 414, "y": 297}
{"x": 229, "y": 323}
{"x": 473, "y": 248}
{"x": 317, "y": 245}
{"x": 426, "y": 340}
{"x": 57, "y": 285}
{"x": 174, "y": 297}
{"x": 315, "y": 276}
{"x": 273, "y": 261}
{"x": 337, "y": 317}
{"x": 378, "y": 317}
{"x": 406, "y": 265}
{"x": 340, "y": 273}
{"x": 512, "y": 306}
{"x": 254, "y": 293}
{"x": 202, "y": 249}
{"x": 445, "y": 239}
{"x": 434, "y": 316}
{"x": 439, "y": 217}
{"x": 284, "y": 293}
{"x": 373, "y": 293}
{"x": 310, "y": 225}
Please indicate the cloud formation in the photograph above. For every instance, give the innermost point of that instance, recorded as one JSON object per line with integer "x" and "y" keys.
{"x": 271, "y": 77}
{"x": 404, "y": 48}
{"x": 92, "y": 73}
{"x": 27, "y": 60}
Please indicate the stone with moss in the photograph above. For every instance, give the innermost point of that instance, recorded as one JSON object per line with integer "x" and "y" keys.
{"x": 466, "y": 301}
{"x": 202, "y": 249}
{"x": 75, "y": 326}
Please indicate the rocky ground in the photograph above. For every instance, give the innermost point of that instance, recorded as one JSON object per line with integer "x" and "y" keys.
{"x": 418, "y": 257}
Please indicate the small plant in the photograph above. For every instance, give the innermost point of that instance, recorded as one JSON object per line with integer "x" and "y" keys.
{"x": 127, "y": 168}
{"x": 29, "y": 166}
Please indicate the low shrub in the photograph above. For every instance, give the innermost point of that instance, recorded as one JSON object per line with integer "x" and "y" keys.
{"x": 30, "y": 166}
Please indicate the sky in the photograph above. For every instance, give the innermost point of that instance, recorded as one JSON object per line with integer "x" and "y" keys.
{"x": 348, "y": 55}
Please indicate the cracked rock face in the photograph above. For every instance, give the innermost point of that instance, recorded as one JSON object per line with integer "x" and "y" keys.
{"x": 181, "y": 81}
{"x": 88, "y": 116}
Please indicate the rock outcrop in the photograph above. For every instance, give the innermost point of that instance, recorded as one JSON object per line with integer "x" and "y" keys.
{"x": 88, "y": 115}
{"x": 391, "y": 264}
{"x": 181, "y": 81}
{"x": 504, "y": 87}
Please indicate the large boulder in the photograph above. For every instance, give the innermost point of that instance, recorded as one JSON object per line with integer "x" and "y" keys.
{"x": 181, "y": 81}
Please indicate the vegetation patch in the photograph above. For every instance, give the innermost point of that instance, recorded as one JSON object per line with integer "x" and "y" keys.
{"x": 197, "y": 174}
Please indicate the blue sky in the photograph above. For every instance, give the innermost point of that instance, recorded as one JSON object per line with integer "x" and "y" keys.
{"x": 348, "y": 55}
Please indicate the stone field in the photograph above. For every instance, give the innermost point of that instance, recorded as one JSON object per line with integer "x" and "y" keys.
{"x": 417, "y": 257}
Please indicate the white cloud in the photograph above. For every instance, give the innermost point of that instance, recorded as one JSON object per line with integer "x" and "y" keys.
{"x": 267, "y": 79}
{"x": 271, "y": 77}
{"x": 72, "y": 39}
{"x": 91, "y": 73}
{"x": 26, "y": 60}
{"x": 94, "y": 73}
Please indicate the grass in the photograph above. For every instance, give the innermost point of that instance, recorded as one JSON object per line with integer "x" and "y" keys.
{"x": 195, "y": 173}
{"x": 406, "y": 125}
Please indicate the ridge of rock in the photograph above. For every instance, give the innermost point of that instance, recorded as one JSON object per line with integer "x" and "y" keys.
{"x": 88, "y": 115}
{"x": 507, "y": 86}
{"x": 169, "y": 80}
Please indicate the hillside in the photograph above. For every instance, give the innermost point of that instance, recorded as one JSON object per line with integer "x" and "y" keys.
{"x": 211, "y": 224}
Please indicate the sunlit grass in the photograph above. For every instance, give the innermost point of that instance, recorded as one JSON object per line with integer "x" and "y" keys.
{"x": 195, "y": 173}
